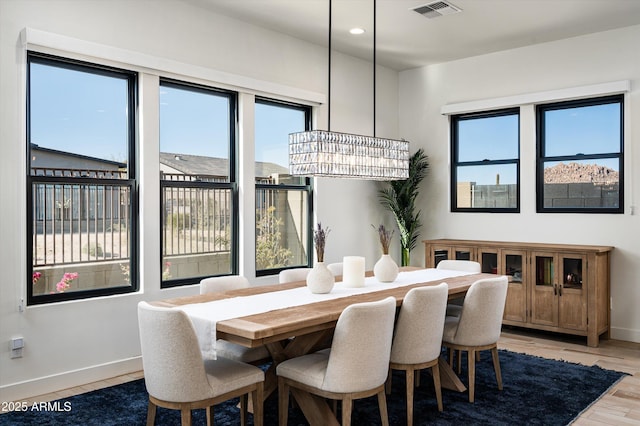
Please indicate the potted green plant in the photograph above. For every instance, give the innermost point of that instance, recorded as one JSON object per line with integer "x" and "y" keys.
{"x": 399, "y": 196}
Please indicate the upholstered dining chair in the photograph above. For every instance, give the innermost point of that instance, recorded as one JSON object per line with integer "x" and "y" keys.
{"x": 336, "y": 268}
{"x": 455, "y": 305}
{"x": 176, "y": 376}
{"x": 417, "y": 341}
{"x": 228, "y": 349}
{"x": 223, "y": 283}
{"x": 356, "y": 366}
{"x": 295, "y": 274}
{"x": 478, "y": 326}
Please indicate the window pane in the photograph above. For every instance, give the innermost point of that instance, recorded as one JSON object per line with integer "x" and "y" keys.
{"x": 580, "y": 156}
{"x": 194, "y": 132}
{"x": 80, "y": 192}
{"x": 282, "y": 214}
{"x": 488, "y": 138}
{"x": 491, "y": 186}
{"x": 74, "y": 111}
{"x": 282, "y": 228}
{"x": 593, "y": 129}
{"x": 196, "y": 232}
{"x": 273, "y": 124}
{"x": 582, "y": 184}
{"x": 197, "y": 196}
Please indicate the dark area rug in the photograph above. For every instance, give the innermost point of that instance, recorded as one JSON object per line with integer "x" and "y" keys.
{"x": 536, "y": 391}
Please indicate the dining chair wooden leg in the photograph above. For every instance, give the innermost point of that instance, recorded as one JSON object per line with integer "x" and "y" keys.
{"x": 185, "y": 415}
{"x": 243, "y": 409}
{"x": 210, "y": 417}
{"x": 283, "y": 402}
{"x": 459, "y": 354}
{"x": 471, "y": 366}
{"x": 151, "y": 413}
{"x": 347, "y": 406}
{"x": 496, "y": 366}
{"x": 387, "y": 384}
{"x": 435, "y": 372}
{"x": 417, "y": 378}
{"x": 382, "y": 404}
{"x": 258, "y": 405}
{"x": 410, "y": 385}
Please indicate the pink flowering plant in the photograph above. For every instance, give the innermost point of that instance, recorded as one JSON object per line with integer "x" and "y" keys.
{"x": 36, "y": 276}
{"x": 65, "y": 282}
{"x": 166, "y": 273}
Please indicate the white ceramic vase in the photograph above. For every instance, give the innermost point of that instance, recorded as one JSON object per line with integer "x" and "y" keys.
{"x": 385, "y": 270}
{"x": 320, "y": 279}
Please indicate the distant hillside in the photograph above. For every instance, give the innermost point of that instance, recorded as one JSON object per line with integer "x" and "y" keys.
{"x": 574, "y": 172}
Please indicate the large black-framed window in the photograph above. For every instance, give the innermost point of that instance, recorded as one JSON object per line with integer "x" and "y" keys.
{"x": 198, "y": 182}
{"x": 82, "y": 199}
{"x": 485, "y": 166}
{"x": 284, "y": 205}
{"x": 580, "y": 160}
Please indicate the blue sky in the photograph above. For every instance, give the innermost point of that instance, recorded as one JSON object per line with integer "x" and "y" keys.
{"x": 86, "y": 114}
{"x": 78, "y": 112}
{"x": 586, "y": 130}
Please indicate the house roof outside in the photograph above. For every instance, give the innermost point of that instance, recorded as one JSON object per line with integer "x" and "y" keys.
{"x": 214, "y": 166}
{"x": 118, "y": 164}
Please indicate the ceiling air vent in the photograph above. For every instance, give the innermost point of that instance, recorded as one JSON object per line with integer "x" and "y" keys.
{"x": 437, "y": 9}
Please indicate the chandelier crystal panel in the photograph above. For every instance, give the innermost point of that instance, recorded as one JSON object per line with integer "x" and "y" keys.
{"x": 343, "y": 155}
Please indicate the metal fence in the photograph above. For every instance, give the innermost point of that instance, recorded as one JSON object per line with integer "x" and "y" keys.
{"x": 77, "y": 223}
{"x": 83, "y": 222}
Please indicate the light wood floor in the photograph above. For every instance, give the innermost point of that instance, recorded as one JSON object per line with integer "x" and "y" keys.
{"x": 620, "y": 406}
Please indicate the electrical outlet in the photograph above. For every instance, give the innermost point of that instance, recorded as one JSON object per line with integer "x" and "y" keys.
{"x": 16, "y": 344}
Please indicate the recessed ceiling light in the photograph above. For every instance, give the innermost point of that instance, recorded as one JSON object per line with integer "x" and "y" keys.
{"x": 356, "y": 31}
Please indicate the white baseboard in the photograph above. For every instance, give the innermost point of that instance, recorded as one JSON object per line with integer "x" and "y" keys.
{"x": 69, "y": 379}
{"x": 626, "y": 334}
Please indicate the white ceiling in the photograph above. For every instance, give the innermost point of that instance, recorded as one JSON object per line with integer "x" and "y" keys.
{"x": 406, "y": 39}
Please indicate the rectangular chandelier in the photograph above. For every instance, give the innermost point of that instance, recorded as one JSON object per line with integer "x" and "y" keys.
{"x": 343, "y": 155}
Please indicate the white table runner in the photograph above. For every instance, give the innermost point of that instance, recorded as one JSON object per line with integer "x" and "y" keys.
{"x": 204, "y": 316}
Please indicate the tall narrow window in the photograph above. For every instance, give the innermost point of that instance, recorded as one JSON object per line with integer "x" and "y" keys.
{"x": 198, "y": 183}
{"x": 283, "y": 202}
{"x": 485, "y": 174}
{"x": 81, "y": 187}
{"x": 580, "y": 156}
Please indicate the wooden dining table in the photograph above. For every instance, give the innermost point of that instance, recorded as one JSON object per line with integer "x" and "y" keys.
{"x": 299, "y": 330}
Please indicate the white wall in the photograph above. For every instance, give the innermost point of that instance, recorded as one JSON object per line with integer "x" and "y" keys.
{"x": 587, "y": 60}
{"x": 76, "y": 342}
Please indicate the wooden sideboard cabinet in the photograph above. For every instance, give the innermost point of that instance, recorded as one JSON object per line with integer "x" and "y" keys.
{"x": 555, "y": 287}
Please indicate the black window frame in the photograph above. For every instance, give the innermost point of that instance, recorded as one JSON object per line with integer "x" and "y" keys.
{"x": 307, "y": 187}
{"x": 541, "y": 159}
{"x": 131, "y": 182}
{"x": 455, "y": 119}
{"x": 231, "y": 185}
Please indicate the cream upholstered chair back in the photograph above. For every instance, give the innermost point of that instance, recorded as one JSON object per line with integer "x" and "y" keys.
{"x": 481, "y": 317}
{"x": 296, "y": 274}
{"x": 336, "y": 268}
{"x": 361, "y": 347}
{"x": 224, "y": 283}
{"x": 171, "y": 358}
{"x": 459, "y": 265}
{"x": 420, "y": 324}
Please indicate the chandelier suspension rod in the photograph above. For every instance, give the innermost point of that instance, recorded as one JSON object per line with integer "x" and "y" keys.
{"x": 374, "y": 68}
{"x": 329, "y": 76}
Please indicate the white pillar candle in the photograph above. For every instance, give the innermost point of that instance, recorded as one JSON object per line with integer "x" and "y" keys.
{"x": 353, "y": 271}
